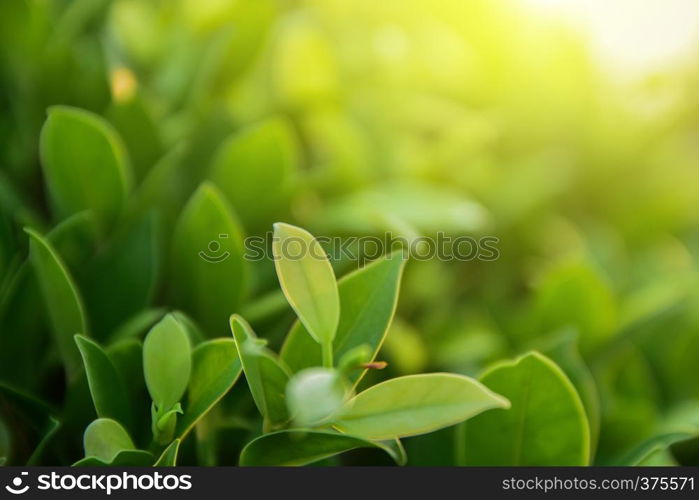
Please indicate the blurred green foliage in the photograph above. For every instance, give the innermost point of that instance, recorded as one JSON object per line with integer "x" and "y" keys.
{"x": 134, "y": 132}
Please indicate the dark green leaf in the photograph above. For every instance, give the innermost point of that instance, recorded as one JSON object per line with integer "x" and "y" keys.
{"x": 84, "y": 163}
{"x": 106, "y": 385}
{"x": 62, "y": 299}
{"x": 301, "y": 447}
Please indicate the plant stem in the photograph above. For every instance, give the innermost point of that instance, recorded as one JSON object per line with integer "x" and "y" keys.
{"x": 327, "y": 354}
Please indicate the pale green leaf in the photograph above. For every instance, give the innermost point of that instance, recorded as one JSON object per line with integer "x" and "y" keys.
{"x": 416, "y": 404}
{"x": 104, "y": 438}
{"x": 368, "y": 299}
{"x": 169, "y": 456}
{"x": 315, "y": 395}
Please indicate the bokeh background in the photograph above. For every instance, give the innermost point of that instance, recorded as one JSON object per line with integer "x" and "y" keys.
{"x": 568, "y": 129}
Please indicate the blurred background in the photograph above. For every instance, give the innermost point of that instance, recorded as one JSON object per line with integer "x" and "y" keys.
{"x": 568, "y": 129}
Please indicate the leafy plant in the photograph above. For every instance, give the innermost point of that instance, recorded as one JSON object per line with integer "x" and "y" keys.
{"x": 148, "y": 149}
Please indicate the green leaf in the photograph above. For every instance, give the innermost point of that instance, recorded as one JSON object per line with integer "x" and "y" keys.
{"x": 209, "y": 273}
{"x": 125, "y": 458}
{"x": 167, "y": 362}
{"x": 427, "y": 209}
{"x": 576, "y": 295}
{"x": 106, "y": 385}
{"x": 65, "y": 307}
{"x": 546, "y": 425}
{"x": 169, "y": 456}
{"x": 265, "y": 374}
{"x": 132, "y": 119}
{"x": 215, "y": 369}
{"x": 104, "y": 438}
{"x": 307, "y": 280}
{"x": 127, "y": 357}
{"x": 368, "y": 298}
{"x": 300, "y": 447}
{"x": 315, "y": 395}
{"x": 254, "y": 169}
{"x": 564, "y": 352}
{"x": 33, "y": 425}
{"x": 646, "y": 450}
{"x": 126, "y": 269}
{"x": 85, "y": 164}
{"x": 416, "y": 404}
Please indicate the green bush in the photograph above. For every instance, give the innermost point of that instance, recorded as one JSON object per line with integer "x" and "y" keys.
{"x": 155, "y": 154}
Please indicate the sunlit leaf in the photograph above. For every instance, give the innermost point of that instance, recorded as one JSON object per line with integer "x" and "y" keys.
{"x": 368, "y": 300}
{"x": 307, "y": 280}
{"x": 106, "y": 385}
{"x": 416, "y": 404}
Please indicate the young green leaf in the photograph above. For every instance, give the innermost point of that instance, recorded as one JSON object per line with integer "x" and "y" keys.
{"x": 209, "y": 274}
{"x": 267, "y": 377}
{"x": 315, "y": 395}
{"x": 106, "y": 385}
{"x": 215, "y": 369}
{"x": 166, "y": 363}
{"x": 368, "y": 299}
{"x": 65, "y": 307}
{"x": 416, "y": 404}
{"x": 85, "y": 164}
{"x": 104, "y": 438}
{"x": 254, "y": 169}
{"x": 308, "y": 281}
{"x": 546, "y": 425}
{"x": 301, "y": 446}
{"x": 169, "y": 456}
